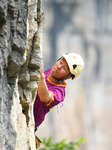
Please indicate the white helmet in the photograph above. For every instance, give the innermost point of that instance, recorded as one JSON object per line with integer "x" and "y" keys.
{"x": 75, "y": 63}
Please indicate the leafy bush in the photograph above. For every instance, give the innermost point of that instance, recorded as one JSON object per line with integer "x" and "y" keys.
{"x": 62, "y": 145}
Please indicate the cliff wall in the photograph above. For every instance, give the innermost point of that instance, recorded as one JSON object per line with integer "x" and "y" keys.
{"x": 20, "y": 61}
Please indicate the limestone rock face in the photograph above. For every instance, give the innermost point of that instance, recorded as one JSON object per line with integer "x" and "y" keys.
{"x": 20, "y": 61}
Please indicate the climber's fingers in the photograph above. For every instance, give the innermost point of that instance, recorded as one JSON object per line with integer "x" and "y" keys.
{"x": 42, "y": 68}
{"x": 42, "y": 75}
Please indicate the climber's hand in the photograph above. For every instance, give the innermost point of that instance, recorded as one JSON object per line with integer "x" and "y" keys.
{"x": 42, "y": 75}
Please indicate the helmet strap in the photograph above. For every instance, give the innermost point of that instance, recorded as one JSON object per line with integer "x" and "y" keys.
{"x": 57, "y": 79}
{"x": 67, "y": 76}
{"x": 62, "y": 79}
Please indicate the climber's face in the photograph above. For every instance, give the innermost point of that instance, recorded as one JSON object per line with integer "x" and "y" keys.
{"x": 60, "y": 70}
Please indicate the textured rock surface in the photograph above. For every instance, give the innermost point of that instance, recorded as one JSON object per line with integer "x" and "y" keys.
{"x": 20, "y": 60}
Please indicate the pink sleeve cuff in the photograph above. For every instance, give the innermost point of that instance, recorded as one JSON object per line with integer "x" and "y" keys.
{"x": 52, "y": 99}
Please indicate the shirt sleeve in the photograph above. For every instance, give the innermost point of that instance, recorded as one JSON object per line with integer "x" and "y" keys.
{"x": 52, "y": 99}
{"x": 58, "y": 96}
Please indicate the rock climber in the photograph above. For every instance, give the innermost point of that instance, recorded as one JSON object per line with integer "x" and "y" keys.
{"x": 51, "y": 87}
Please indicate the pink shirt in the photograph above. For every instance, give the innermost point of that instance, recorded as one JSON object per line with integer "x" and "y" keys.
{"x": 58, "y": 95}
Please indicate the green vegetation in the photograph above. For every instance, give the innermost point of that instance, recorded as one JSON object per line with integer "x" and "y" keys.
{"x": 62, "y": 145}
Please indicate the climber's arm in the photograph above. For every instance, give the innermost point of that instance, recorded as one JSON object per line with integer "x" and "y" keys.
{"x": 44, "y": 94}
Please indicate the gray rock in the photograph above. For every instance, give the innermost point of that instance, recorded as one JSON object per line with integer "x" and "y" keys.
{"x": 18, "y": 79}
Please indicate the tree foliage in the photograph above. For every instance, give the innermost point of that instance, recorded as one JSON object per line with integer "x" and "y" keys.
{"x": 62, "y": 145}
